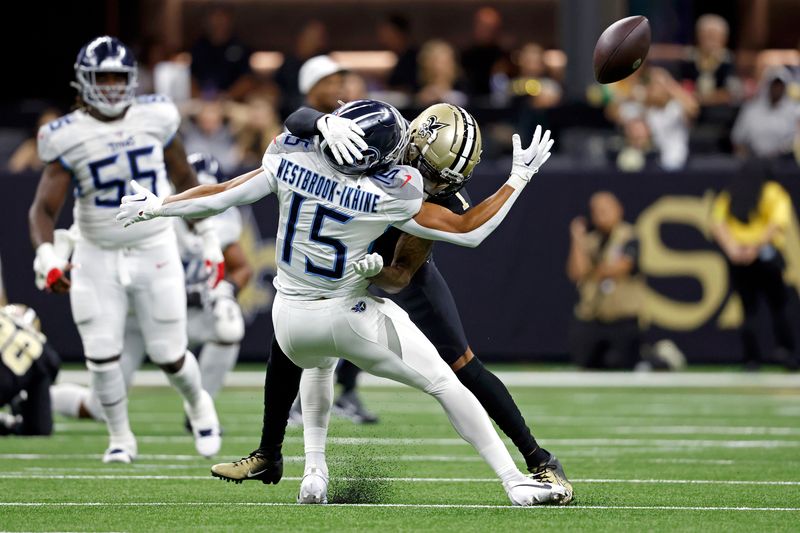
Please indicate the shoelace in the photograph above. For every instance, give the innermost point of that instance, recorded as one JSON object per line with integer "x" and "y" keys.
{"x": 244, "y": 460}
{"x": 545, "y": 474}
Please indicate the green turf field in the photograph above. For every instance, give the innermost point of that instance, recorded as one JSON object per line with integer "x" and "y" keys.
{"x": 640, "y": 460}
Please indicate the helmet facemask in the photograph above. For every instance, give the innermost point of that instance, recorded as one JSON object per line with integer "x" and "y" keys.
{"x": 437, "y": 183}
{"x": 110, "y": 99}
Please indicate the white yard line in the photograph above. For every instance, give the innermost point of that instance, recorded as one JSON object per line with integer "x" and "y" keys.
{"x": 398, "y": 505}
{"x": 28, "y": 475}
{"x": 521, "y": 379}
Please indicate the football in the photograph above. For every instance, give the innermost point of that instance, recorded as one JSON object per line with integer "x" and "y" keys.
{"x": 621, "y": 49}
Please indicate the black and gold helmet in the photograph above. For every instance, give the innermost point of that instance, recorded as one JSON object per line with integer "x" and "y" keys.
{"x": 445, "y": 146}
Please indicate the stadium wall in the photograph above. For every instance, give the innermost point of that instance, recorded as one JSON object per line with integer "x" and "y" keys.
{"x": 515, "y": 300}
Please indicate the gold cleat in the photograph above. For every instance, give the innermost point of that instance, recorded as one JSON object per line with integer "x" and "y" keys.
{"x": 255, "y": 466}
{"x": 552, "y": 472}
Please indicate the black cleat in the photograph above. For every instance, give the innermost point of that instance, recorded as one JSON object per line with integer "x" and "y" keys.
{"x": 255, "y": 466}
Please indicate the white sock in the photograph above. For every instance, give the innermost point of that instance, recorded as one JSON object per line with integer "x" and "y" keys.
{"x": 473, "y": 425}
{"x": 187, "y": 380}
{"x": 216, "y": 360}
{"x": 109, "y": 384}
{"x": 316, "y": 394}
{"x": 66, "y": 399}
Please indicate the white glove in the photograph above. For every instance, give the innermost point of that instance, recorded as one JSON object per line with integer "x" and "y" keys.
{"x": 228, "y": 319}
{"x": 344, "y": 137}
{"x": 525, "y": 163}
{"x": 369, "y": 266}
{"x": 213, "y": 259}
{"x": 140, "y": 206}
{"x": 52, "y": 259}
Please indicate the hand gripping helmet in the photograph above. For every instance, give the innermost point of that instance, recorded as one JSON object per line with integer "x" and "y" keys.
{"x": 206, "y": 167}
{"x": 106, "y": 54}
{"x": 385, "y": 132}
{"x": 445, "y": 146}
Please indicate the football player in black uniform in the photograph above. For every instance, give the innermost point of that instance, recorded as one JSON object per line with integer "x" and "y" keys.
{"x": 28, "y": 366}
{"x": 445, "y": 145}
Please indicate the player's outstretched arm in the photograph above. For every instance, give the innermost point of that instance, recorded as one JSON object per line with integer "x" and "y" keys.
{"x": 42, "y": 216}
{"x": 437, "y": 223}
{"x": 197, "y": 202}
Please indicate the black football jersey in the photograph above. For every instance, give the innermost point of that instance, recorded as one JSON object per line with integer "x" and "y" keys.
{"x": 24, "y": 356}
{"x": 385, "y": 245}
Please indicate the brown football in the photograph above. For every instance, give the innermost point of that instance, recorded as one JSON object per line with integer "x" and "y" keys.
{"x": 621, "y": 49}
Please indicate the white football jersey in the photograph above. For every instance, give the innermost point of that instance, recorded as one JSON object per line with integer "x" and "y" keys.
{"x": 104, "y": 156}
{"x": 329, "y": 220}
{"x": 227, "y": 226}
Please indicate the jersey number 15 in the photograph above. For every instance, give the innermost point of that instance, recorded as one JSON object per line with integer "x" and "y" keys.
{"x": 337, "y": 246}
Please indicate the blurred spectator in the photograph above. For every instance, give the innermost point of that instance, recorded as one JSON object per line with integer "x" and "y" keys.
{"x": 666, "y": 110}
{"x": 603, "y": 265}
{"x": 637, "y": 148}
{"x": 322, "y": 81}
{"x": 485, "y": 54}
{"x": 767, "y": 124}
{"x": 254, "y": 125}
{"x": 394, "y": 34}
{"x": 25, "y": 158}
{"x": 355, "y": 88}
{"x": 220, "y": 61}
{"x": 749, "y": 221}
{"x": 438, "y": 75}
{"x": 531, "y": 91}
{"x": 709, "y": 70}
{"x": 208, "y": 133}
{"x": 533, "y": 85}
{"x": 311, "y": 41}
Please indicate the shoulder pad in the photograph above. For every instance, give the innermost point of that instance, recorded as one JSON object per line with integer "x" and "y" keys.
{"x": 54, "y": 139}
{"x": 287, "y": 143}
{"x": 158, "y": 112}
{"x": 401, "y": 181}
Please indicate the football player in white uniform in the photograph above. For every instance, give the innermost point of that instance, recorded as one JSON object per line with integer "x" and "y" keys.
{"x": 330, "y": 213}
{"x": 215, "y": 323}
{"x": 96, "y": 150}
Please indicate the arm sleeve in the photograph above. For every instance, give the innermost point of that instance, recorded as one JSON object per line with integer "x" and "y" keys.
{"x": 470, "y": 239}
{"x": 303, "y": 122}
{"x": 247, "y": 192}
{"x": 780, "y": 206}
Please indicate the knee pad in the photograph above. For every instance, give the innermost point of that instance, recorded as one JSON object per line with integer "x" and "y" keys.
{"x": 103, "y": 365}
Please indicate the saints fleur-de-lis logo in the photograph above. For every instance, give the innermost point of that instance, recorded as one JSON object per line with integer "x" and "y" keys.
{"x": 429, "y": 128}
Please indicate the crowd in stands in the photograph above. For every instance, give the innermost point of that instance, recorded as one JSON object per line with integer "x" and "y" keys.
{"x": 658, "y": 118}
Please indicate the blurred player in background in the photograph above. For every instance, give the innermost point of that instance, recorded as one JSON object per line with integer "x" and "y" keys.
{"x": 111, "y": 138}
{"x": 330, "y": 213}
{"x": 749, "y": 221}
{"x": 28, "y": 365}
{"x": 215, "y": 323}
{"x": 325, "y": 85}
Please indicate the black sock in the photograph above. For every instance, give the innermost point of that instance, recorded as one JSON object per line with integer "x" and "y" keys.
{"x": 346, "y": 376}
{"x": 280, "y": 389}
{"x": 495, "y": 398}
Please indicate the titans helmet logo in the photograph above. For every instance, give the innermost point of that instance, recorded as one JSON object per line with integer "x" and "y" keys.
{"x": 429, "y": 128}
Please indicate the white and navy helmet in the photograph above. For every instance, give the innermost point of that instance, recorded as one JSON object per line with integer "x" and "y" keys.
{"x": 385, "y": 132}
{"x": 206, "y": 167}
{"x": 106, "y": 54}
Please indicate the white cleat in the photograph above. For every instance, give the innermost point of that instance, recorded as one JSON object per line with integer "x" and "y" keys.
{"x": 526, "y": 492}
{"x": 314, "y": 487}
{"x": 121, "y": 450}
{"x": 205, "y": 425}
